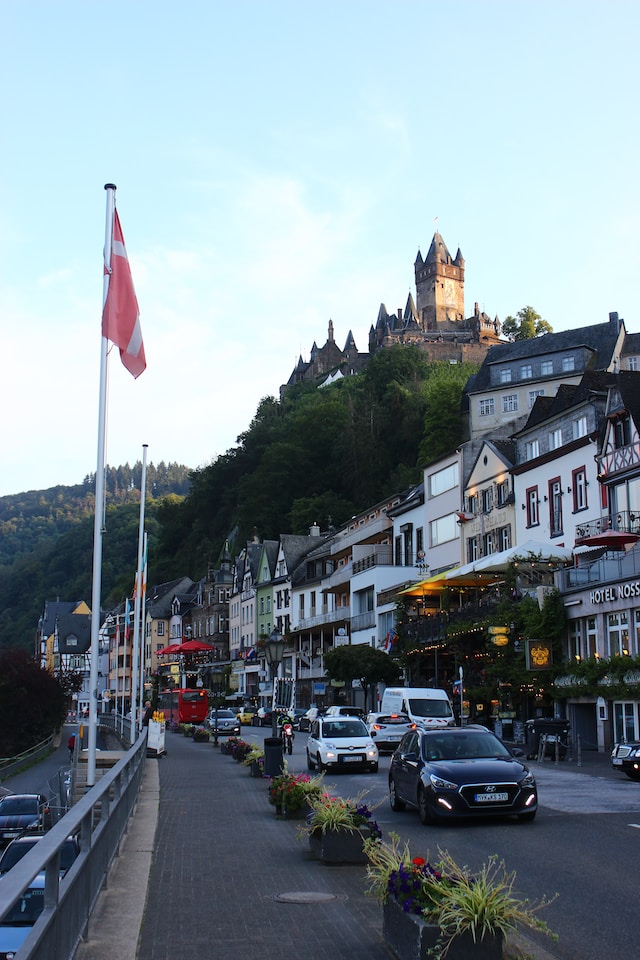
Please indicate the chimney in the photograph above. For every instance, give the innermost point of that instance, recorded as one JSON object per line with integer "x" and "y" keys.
{"x": 314, "y": 530}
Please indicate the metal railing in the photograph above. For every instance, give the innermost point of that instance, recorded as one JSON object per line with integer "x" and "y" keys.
{"x": 99, "y": 819}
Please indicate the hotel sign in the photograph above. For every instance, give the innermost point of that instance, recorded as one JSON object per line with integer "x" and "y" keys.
{"x": 623, "y": 591}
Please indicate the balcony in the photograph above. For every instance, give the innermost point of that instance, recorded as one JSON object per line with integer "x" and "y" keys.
{"x": 364, "y": 533}
{"x": 329, "y": 616}
{"x": 619, "y": 460}
{"x": 381, "y": 556}
{"x": 363, "y": 621}
{"x": 623, "y": 522}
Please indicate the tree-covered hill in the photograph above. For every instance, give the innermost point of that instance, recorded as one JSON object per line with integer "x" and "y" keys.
{"x": 319, "y": 455}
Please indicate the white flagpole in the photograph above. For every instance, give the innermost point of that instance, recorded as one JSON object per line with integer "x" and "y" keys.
{"x": 142, "y": 625}
{"x": 136, "y": 614}
{"x": 99, "y": 508}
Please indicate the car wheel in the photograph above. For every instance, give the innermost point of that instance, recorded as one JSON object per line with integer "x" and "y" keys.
{"x": 394, "y": 801}
{"x": 321, "y": 766}
{"x": 527, "y": 817}
{"x": 310, "y": 764}
{"x": 373, "y": 768}
{"x": 424, "y": 810}
{"x": 633, "y": 775}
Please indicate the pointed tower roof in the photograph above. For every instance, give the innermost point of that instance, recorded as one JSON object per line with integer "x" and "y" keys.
{"x": 438, "y": 251}
{"x": 350, "y": 343}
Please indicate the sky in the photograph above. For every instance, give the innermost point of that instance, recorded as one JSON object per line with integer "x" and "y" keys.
{"x": 278, "y": 165}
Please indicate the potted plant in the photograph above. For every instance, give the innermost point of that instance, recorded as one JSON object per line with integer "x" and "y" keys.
{"x": 430, "y": 911}
{"x": 200, "y": 735}
{"x": 291, "y": 793}
{"x": 239, "y": 749}
{"x": 337, "y": 829}
{"x": 255, "y": 761}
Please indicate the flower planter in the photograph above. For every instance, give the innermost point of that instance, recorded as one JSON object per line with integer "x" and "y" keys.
{"x": 411, "y": 938}
{"x": 338, "y": 846}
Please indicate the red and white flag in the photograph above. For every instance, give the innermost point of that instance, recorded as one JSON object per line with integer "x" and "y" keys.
{"x": 121, "y": 317}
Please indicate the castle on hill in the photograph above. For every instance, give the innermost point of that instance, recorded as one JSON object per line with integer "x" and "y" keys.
{"x": 435, "y": 322}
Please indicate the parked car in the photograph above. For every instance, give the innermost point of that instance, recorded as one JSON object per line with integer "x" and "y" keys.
{"x": 343, "y": 711}
{"x": 340, "y": 743}
{"x": 20, "y": 812}
{"x": 224, "y": 721}
{"x": 246, "y": 714}
{"x": 388, "y": 729}
{"x": 16, "y": 850}
{"x": 626, "y": 757}
{"x": 460, "y": 772}
{"x": 262, "y": 718}
{"x": 305, "y": 721}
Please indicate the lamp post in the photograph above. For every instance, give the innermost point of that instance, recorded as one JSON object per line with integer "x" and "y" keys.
{"x": 274, "y": 652}
{"x": 217, "y": 686}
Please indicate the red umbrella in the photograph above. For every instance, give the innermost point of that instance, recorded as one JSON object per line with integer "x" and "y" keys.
{"x": 610, "y": 539}
{"x": 193, "y": 646}
{"x": 171, "y": 649}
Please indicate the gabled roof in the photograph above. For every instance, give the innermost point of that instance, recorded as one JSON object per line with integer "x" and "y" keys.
{"x": 69, "y": 619}
{"x": 159, "y": 598}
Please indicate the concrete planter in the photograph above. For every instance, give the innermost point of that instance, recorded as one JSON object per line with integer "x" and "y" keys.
{"x": 411, "y": 938}
{"x": 338, "y": 846}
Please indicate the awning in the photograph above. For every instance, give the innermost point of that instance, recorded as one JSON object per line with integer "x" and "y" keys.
{"x": 610, "y": 540}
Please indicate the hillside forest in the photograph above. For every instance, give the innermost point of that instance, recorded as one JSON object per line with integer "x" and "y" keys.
{"x": 319, "y": 455}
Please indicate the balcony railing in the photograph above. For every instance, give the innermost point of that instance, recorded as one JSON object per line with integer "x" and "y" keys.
{"x": 625, "y": 521}
{"x": 363, "y": 620}
{"x": 331, "y": 616}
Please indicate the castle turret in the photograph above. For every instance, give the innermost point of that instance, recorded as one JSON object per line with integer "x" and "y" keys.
{"x": 439, "y": 287}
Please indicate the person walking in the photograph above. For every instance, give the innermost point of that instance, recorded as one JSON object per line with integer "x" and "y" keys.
{"x": 71, "y": 743}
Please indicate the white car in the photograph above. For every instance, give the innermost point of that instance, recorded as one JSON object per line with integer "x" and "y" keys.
{"x": 388, "y": 729}
{"x": 338, "y": 743}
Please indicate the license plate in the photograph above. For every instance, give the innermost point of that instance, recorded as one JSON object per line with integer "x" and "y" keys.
{"x": 10, "y": 834}
{"x": 491, "y": 797}
{"x": 351, "y": 759}
{"x": 617, "y": 762}
{"x": 394, "y": 736}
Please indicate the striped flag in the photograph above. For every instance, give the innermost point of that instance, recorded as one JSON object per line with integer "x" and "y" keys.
{"x": 121, "y": 317}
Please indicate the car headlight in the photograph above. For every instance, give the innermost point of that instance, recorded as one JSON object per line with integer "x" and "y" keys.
{"x": 528, "y": 780}
{"x": 438, "y": 783}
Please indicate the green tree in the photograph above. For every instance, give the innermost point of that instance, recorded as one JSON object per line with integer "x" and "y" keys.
{"x": 32, "y": 702}
{"x": 526, "y": 325}
{"x": 359, "y": 661}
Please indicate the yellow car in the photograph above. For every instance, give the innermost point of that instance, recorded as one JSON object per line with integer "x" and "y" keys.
{"x": 246, "y": 715}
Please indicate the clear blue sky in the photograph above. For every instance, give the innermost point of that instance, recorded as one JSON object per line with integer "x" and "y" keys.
{"x": 279, "y": 164}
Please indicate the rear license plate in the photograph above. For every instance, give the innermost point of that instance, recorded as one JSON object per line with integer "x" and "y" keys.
{"x": 393, "y": 736}
{"x": 351, "y": 759}
{"x": 491, "y": 797}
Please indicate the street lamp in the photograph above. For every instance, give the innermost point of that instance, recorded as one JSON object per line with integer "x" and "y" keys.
{"x": 274, "y": 652}
{"x": 217, "y": 686}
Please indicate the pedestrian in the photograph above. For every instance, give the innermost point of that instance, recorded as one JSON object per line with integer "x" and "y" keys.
{"x": 71, "y": 742}
{"x": 148, "y": 713}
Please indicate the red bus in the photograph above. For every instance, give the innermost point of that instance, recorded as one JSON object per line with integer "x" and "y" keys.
{"x": 184, "y": 706}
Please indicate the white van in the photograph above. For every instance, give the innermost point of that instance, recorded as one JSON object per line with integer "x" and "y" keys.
{"x": 428, "y": 706}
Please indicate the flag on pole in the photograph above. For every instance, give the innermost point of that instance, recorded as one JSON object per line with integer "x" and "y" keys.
{"x": 121, "y": 317}
{"x": 127, "y": 618}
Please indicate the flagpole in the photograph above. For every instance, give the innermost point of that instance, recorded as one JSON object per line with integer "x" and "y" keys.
{"x": 142, "y": 621}
{"x": 99, "y": 509}
{"x": 136, "y": 611}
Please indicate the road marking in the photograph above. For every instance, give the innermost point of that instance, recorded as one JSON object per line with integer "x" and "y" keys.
{"x": 636, "y": 825}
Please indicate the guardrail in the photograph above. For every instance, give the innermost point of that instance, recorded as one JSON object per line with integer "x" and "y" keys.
{"x": 11, "y": 765}
{"x": 99, "y": 819}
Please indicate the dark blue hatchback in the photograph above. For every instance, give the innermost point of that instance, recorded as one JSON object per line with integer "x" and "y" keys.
{"x": 464, "y": 772}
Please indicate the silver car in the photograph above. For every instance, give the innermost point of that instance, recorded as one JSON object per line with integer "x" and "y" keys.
{"x": 388, "y": 729}
{"x": 224, "y": 722}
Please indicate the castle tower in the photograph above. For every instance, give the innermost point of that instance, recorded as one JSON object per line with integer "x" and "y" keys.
{"x": 439, "y": 288}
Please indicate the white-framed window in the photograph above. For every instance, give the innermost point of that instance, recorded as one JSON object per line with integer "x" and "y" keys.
{"x": 533, "y": 517}
{"x": 633, "y": 363}
{"x": 510, "y": 403}
{"x": 618, "y": 634}
{"x": 442, "y": 480}
{"x": 505, "y": 538}
{"x": 555, "y": 439}
{"x": 546, "y": 368}
{"x": 486, "y": 499}
{"x": 579, "y": 428}
{"x": 532, "y": 396}
{"x": 532, "y": 449}
{"x": 568, "y": 364}
{"x": 161, "y": 628}
{"x": 502, "y": 492}
{"x": 487, "y": 407}
{"x": 505, "y": 375}
{"x": 443, "y": 529}
{"x": 473, "y": 550}
{"x": 555, "y": 506}
{"x": 526, "y": 371}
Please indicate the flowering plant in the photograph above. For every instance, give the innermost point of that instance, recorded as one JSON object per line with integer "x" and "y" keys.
{"x": 254, "y": 755}
{"x": 290, "y": 792}
{"x": 240, "y": 749}
{"x": 483, "y": 904}
{"x": 337, "y": 813}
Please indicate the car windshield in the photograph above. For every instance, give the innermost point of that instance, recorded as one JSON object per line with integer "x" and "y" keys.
{"x": 12, "y": 806}
{"x": 463, "y": 746}
{"x": 430, "y": 708}
{"x": 15, "y": 852}
{"x": 26, "y": 910}
{"x": 340, "y": 729}
{"x": 224, "y": 714}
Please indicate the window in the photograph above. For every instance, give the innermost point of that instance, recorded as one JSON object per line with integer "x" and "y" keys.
{"x": 505, "y": 375}
{"x": 161, "y": 628}
{"x": 633, "y": 363}
{"x": 490, "y": 543}
{"x": 487, "y": 407}
{"x": 503, "y": 492}
{"x": 471, "y": 503}
{"x": 546, "y": 368}
{"x": 526, "y": 371}
{"x": 419, "y": 541}
{"x": 622, "y": 432}
{"x": 473, "y": 550}
{"x": 532, "y": 396}
{"x": 443, "y": 529}
{"x": 301, "y": 606}
{"x": 579, "y": 489}
{"x": 618, "y": 634}
{"x": 505, "y": 538}
{"x": 555, "y": 439}
{"x": 592, "y": 637}
{"x": 568, "y": 364}
{"x": 555, "y": 506}
{"x": 397, "y": 551}
{"x": 579, "y": 428}
{"x": 532, "y": 449}
{"x": 442, "y": 480}
{"x": 533, "y": 518}
{"x": 486, "y": 499}
{"x": 510, "y": 403}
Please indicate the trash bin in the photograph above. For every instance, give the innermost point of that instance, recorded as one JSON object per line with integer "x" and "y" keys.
{"x": 273, "y": 759}
{"x": 555, "y": 730}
